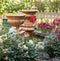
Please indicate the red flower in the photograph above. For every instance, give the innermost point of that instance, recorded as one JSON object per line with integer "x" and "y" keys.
{"x": 58, "y": 35}
{"x": 55, "y": 22}
{"x": 56, "y": 30}
{"x": 45, "y": 25}
{"x": 33, "y": 19}
{"x": 58, "y": 19}
{"x": 40, "y": 25}
{"x": 49, "y": 26}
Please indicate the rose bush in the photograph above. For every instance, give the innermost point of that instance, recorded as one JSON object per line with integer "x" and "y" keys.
{"x": 45, "y": 27}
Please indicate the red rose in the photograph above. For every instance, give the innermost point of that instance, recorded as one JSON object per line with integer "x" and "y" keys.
{"x": 56, "y": 30}
{"x": 40, "y": 25}
{"x": 47, "y": 26}
{"x": 44, "y": 24}
{"x": 58, "y": 35}
{"x": 58, "y": 19}
{"x": 55, "y": 22}
{"x": 52, "y": 26}
{"x": 33, "y": 19}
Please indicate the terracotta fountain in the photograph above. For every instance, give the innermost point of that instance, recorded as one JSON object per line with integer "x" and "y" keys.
{"x": 28, "y": 26}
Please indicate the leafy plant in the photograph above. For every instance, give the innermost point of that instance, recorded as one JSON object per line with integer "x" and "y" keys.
{"x": 3, "y": 30}
{"x": 52, "y": 46}
{"x": 48, "y": 5}
{"x": 13, "y": 48}
{"x": 9, "y": 7}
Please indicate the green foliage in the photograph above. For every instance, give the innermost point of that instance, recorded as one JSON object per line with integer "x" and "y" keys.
{"x": 52, "y": 46}
{"x": 9, "y": 7}
{"x": 3, "y": 30}
{"x": 53, "y": 50}
{"x": 1, "y": 53}
{"x": 48, "y": 5}
{"x": 14, "y": 48}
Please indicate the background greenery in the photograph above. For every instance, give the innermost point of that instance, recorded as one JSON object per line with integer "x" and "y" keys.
{"x": 7, "y": 6}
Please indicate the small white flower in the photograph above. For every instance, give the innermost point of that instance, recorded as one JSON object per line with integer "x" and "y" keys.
{"x": 40, "y": 45}
{"x": 31, "y": 42}
{"x": 19, "y": 45}
{"x": 25, "y": 46}
{"x": 6, "y": 58}
{"x": 12, "y": 29}
{"x": 3, "y": 37}
{"x": 46, "y": 36}
{"x": 5, "y": 49}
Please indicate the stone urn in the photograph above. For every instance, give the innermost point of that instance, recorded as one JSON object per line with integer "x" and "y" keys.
{"x": 29, "y": 13}
{"x": 15, "y": 19}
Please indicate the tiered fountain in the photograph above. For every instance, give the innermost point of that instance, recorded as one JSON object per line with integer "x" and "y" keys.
{"x": 28, "y": 26}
